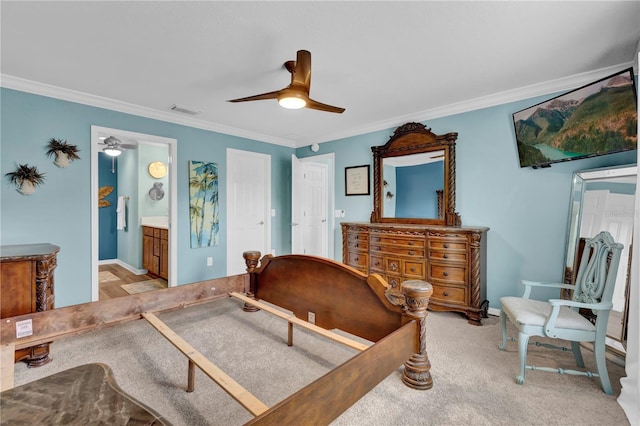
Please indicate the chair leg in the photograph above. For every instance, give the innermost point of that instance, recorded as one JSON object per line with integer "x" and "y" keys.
{"x": 599, "y": 351}
{"x": 523, "y": 341}
{"x": 575, "y": 347}
{"x": 503, "y": 327}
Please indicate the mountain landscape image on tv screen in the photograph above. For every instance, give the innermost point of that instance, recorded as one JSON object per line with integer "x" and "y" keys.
{"x": 597, "y": 119}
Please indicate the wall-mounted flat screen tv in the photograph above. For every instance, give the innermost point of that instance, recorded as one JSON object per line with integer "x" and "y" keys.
{"x": 597, "y": 119}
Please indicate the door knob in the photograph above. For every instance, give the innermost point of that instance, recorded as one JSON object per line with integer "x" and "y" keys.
{"x": 261, "y": 222}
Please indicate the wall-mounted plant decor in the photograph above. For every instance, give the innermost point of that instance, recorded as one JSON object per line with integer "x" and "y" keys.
{"x": 26, "y": 178}
{"x": 64, "y": 152}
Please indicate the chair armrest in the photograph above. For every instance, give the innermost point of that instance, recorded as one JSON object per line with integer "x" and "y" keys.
{"x": 550, "y": 325}
{"x": 602, "y": 306}
{"x": 528, "y": 285}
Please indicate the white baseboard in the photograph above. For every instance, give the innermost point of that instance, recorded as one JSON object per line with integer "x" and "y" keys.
{"x": 124, "y": 265}
{"x": 494, "y": 311}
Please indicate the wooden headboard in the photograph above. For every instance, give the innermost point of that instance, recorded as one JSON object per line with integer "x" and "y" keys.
{"x": 337, "y": 295}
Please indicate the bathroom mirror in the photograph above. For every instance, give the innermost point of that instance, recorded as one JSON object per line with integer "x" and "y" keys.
{"x": 414, "y": 178}
{"x": 604, "y": 200}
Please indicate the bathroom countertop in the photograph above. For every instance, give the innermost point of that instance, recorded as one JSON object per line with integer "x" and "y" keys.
{"x": 155, "y": 221}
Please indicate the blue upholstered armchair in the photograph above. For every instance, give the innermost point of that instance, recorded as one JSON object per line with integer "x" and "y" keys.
{"x": 561, "y": 319}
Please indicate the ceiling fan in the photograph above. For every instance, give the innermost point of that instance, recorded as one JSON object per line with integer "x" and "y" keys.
{"x": 296, "y": 94}
{"x": 114, "y": 146}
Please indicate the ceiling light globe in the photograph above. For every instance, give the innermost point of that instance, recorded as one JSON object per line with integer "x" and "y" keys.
{"x": 112, "y": 151}
{"x": 292, "y": 100}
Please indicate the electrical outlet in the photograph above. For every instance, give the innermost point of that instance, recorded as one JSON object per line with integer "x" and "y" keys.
{"x": 209, "y": 261}
{"x": 312, "y": 318}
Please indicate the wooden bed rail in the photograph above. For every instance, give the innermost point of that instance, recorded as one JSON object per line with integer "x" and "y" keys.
{"x": 292, "y": 319}
{"x": 237, "y": 392}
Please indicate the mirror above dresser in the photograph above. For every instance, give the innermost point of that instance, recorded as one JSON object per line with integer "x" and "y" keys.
{"x": 414, "y": 177}
{"x": 415, "y": 232}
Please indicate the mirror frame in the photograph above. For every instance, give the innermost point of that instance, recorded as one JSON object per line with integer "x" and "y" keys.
{"x": 572, "y": 245}
{"x": 416, "y": 138}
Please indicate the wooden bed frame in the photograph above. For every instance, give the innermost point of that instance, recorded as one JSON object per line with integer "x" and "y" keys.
{"x": 334, "y": 295}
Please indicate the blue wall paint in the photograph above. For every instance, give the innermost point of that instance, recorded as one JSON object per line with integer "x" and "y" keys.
{"x": 60, "y": 211}
{"x": 417, "y": 186}
{"x": 108, "y": 237}
{"x": 526, "y": 209}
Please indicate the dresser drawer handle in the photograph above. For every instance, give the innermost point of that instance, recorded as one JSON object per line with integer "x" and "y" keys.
{"x": 413, "y": 269}
{"x": 410, "y": 243}
{"x": 446, "y": 293}
{"x": 377, "y": 263}
{"x": 411, "y": 252}
{"x": 445, "y": 273}
{"x": 357, "y": 259}
{"x": 356, "y": 245}
{"x": 445, "y": 256}
{"x": 445, "y": 245}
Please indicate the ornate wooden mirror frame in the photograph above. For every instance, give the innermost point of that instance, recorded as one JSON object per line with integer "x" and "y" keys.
{"x": 416, "y": 138}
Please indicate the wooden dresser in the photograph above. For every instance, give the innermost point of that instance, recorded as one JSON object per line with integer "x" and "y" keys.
{"x": 26, "y": 286}
{"x": 451, "y": 259}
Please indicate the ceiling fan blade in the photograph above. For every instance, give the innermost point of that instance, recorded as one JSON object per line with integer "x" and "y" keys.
{"x": 302, "y": 71}
{"x": 311, "y": 104}
{"x": 269, "y": 95}
{"x": 128, "y": 146}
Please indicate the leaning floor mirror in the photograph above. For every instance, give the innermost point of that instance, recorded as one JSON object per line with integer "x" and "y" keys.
{"x": 604, "y": 200}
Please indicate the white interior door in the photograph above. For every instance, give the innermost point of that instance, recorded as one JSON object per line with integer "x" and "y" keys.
{"x": 310, "y": 201}
{"x": 314, "y": 217}
{"x": 248, "y": 206}
{"x": 296, "y": 206}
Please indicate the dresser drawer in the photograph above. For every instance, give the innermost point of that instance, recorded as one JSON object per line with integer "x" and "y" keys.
{"x": 358, "y": 245}
{"x": 449, "y": 294}
{"x": 376, "y": 263}
{"x": 358, "y": 236}
{"x": 448, "y": 255}
{"x": 393, "y": 280}
{"x": 448, "y": 273}
{"x": 449, "y": 244}
{"x": 395, "y": 240}
{"x": 357, "y": 260}
{"x": 413, "y": 269}
{"x": 400, "y": 250}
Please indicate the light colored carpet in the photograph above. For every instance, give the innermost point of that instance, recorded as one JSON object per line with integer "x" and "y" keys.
{"x": 106, "y": 276}
{"x": 144, "y": 286}
{"x": 473, "y": 381}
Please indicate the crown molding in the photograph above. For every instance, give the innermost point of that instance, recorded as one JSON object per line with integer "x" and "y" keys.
{"x": 540, "y": 89}
{"x": 37, "y": 88}
{"x": 545, "y": 88}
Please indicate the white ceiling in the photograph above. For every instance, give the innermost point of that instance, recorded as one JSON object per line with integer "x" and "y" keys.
{"x": 385, "y": 62}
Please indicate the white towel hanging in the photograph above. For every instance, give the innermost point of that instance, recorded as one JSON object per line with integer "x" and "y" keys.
{"x": 121, "y": 212}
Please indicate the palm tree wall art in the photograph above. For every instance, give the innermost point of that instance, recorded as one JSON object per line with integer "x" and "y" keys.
{"x": 203, "y": 204}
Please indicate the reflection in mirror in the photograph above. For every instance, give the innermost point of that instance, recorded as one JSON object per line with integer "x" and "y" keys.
{"x": 604, "y": 200}
{"x": 414, "y": 178}
{"x": 413, "y": 185}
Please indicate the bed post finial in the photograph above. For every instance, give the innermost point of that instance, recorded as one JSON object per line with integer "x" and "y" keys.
{"x": 417, "y": 373}
{"x": 251, "y": 259}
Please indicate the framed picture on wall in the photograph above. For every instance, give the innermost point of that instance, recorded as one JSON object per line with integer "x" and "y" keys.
{"x": 356, "y": 180}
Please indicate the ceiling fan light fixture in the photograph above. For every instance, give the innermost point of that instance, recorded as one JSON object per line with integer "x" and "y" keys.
{"x": 112, "y": 151}
{"x": 292, "y": 99}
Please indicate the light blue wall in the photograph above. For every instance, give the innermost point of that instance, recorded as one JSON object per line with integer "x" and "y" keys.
{"x": 59, "y": 212}
{"x": 526, "y": 209}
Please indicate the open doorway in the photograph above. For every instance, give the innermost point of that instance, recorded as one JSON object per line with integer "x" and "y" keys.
{"x": 134, "y": 201}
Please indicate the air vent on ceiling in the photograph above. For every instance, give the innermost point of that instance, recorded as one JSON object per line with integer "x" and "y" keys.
{"x": 184, "y": 110}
